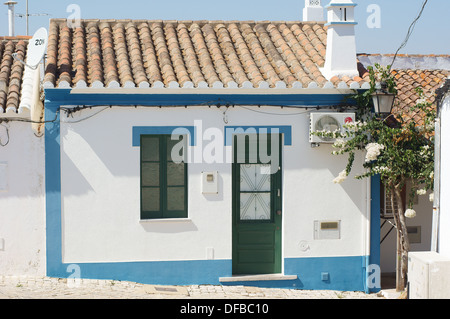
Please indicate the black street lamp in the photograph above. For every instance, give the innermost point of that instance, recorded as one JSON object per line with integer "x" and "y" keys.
{"x": 383, "y": 101}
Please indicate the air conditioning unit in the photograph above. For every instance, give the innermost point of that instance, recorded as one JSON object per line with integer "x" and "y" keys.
{"x": 329, "y": 122}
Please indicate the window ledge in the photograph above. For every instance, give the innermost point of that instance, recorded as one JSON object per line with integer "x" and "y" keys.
{"x": 166, "y": 220}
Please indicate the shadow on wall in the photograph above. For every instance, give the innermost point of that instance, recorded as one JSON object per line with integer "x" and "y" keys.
{"x": 21, "y": 162}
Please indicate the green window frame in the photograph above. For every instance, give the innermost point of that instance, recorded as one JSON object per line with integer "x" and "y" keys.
{"x": 163, "y": 180}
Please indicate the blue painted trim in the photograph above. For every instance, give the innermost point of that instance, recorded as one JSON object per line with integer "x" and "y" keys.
{"x": 340, "y": 23}
{"x": 65, "y": 97}
{"x": 53, "y": 187}
{"x": 341, "y": 5}
{"x": 284, "y": 129}
{"x": 375, "y": 224}
{"x": 143, "y": 130}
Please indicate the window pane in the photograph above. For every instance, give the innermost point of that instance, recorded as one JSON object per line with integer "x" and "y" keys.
{"x": 255, "y": 177}
{"x": 175, "y": 174}
{"x": 175, "y": 198}
{"x": 150, "y": 199}
{"x": 150, "y": 174}
{"x": 150, "y": 148}
{"x": 255, "y": 206}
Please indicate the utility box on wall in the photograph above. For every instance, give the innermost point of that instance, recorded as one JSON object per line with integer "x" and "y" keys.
{"x": 428, "y": 275}
{"x": 327, "y": 229}
{"x": 210, "y": 183}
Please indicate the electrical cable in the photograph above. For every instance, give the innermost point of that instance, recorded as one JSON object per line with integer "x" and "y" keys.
{"x": 7, "y": 135}
{"x": 86, "y": 118}
{"x": 70, "y": 111}
{"x": 410, "y": 31}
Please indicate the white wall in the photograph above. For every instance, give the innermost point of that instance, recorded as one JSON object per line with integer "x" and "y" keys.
{"x": 444, "y": 218}
{"x": 22, "y": 205}
{"x": 100, "y": 191}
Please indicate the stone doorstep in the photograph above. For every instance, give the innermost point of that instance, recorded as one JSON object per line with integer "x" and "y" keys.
{"x": 165, "y": 290}
{"x": 269, "y": 277}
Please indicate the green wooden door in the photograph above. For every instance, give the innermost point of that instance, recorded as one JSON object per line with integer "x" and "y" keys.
{"x": 256, "y": 210}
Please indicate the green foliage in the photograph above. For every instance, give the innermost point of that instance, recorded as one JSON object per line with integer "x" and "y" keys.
{"x": 398, "y": 153}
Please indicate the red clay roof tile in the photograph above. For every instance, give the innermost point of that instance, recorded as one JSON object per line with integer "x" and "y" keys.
{"x": 11, "y": 71}
{"x": 187, "y": 53}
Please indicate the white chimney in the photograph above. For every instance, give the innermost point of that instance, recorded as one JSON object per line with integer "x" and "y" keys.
{"x": 340, "y": 58}
{"x": 313, "y": 11}
{"x": 11, "y": 5}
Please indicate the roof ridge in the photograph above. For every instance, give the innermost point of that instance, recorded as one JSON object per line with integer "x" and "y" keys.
{"x": 15, "y": 38}
{"x": 403, "y": 55}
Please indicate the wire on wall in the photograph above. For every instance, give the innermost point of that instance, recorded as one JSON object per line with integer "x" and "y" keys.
{"x": 219, "y": 103}
{"x": 7, "y": 135}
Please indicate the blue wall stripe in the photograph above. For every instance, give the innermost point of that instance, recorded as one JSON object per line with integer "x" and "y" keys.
{"x": 142, "y": 130}
{"x": 53, "y": 188}
{"x": 375, "y": 223}
{"x": 65, "y": 97}
{"x": 204, "y": 272}
{"x": 345, "y": 273}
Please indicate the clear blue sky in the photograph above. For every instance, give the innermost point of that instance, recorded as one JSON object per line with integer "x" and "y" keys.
{"x": 431, "y": 35}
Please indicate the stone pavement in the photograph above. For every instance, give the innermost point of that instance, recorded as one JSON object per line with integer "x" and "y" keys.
{"x": 22, "y": 287}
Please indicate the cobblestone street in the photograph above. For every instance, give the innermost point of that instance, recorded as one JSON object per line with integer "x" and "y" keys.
{"x": 18, "y": 287}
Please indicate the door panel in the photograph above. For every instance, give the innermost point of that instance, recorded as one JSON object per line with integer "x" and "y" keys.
{"x": 256, "y": 224}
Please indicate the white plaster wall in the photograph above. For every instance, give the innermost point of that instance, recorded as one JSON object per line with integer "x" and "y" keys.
{"x": 100, "y": 191}
{"x": 444, "y": 219}
{"x": 22, "y": 204}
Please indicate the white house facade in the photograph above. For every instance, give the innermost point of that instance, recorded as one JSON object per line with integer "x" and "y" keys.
{"x": 189, "y": 160}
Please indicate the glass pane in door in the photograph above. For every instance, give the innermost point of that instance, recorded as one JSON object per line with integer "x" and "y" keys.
{"x": 255, "y": 192}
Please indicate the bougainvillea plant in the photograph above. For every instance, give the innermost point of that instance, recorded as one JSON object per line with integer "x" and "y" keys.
{"x": 396, "y": 150}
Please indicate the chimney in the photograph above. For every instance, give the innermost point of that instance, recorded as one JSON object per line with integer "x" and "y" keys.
{"x": 313, "y": 11}
{"x": 340, "y": 57}
{"x": 11, "y": 5}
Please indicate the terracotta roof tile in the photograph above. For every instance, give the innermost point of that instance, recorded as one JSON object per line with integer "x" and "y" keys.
{"x": 139, "y": 53}
{"x": 11, "y": 72}
{"x": 407, "y": 82}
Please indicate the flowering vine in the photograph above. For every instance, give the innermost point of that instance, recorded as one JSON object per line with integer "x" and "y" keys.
{"x": 398, "y": 152}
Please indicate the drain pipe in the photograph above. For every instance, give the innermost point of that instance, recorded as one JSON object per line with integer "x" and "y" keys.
{"x": 11, "y": 5}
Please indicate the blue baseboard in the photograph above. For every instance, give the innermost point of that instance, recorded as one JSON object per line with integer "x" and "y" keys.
{"x": 328, "y": 273}
{"x": 324, "y": 273}
{"x": 182, "y": 273}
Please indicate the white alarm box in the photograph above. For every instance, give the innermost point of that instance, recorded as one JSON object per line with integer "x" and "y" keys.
{"x": 210, "y": 183}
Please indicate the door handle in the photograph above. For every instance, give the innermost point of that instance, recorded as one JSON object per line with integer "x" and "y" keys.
{"x": 279, "y": 212}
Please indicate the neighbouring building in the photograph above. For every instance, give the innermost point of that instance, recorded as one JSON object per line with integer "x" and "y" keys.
{"x": 22, "y": 201}
{"x": 429, "y": 271}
